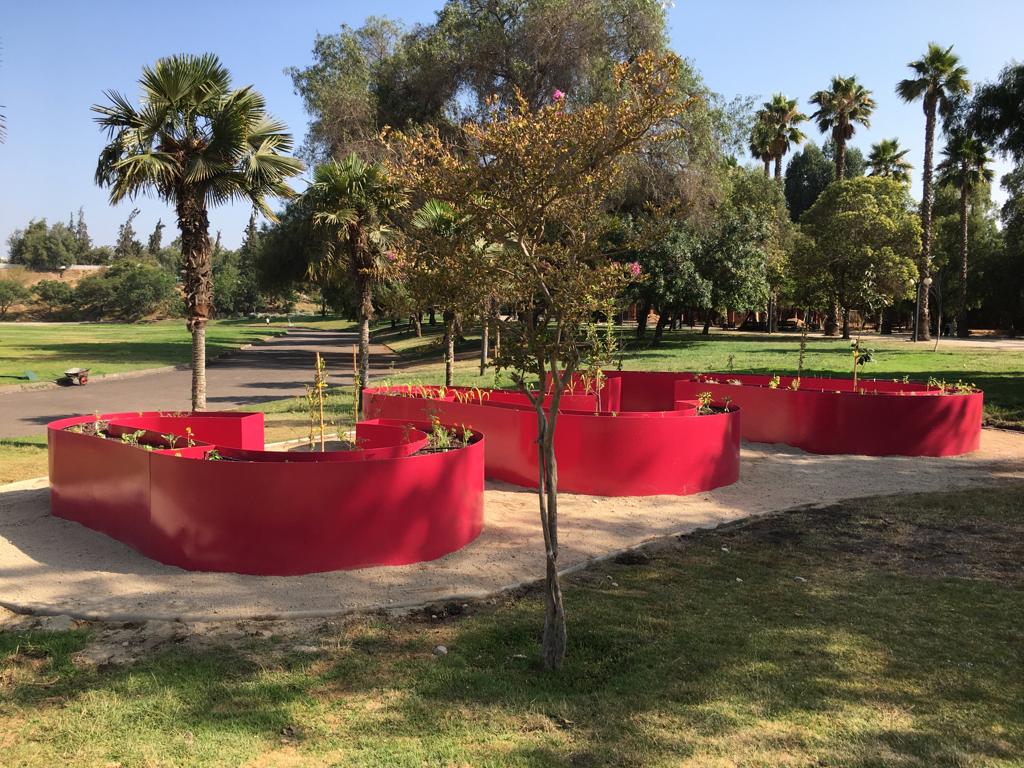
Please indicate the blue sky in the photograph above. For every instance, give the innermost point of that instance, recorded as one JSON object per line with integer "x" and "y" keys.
{"x": 59, "y": 56}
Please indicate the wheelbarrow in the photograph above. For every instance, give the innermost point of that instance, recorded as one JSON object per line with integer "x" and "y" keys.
{"x": 78, "y": 376}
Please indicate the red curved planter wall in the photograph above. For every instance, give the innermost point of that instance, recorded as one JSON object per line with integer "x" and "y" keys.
{"x": 270, "y": 513}
{"x": 613, "y": 453}
{"x": 881, "y": 418}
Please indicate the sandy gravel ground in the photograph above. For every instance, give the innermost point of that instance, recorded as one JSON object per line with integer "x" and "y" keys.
{"x": 53, "y": 566}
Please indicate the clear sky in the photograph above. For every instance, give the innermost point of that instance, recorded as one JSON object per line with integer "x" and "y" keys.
{"x": 59, "y": 55}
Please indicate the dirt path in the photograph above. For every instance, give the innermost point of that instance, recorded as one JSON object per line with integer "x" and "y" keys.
{"x": 53, "y": 566}
{"x": 279, "y": 367}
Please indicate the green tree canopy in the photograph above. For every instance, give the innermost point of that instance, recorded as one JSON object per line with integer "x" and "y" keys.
{"x": 858, "y": 246}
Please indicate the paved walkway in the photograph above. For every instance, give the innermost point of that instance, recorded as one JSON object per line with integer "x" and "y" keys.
{"x": 49, "y": 565}
{"x": 277, "y": 368}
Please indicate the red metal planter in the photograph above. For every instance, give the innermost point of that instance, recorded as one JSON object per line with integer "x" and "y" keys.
{"x": 610, "y": 452}
{"x": 880, "y": 418}
{"x": 265, "y": 512}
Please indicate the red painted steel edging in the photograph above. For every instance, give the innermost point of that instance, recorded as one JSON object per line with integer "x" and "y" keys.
{"x": 267, "y": 513}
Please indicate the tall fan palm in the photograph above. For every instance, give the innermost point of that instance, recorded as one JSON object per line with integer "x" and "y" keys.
{"x": 965, "y": 168}
{"x": 352, "y": 201}
{"x": 781, "y": 118}
{"x": 888, "y": 158}
{"x": 937, "y": 82}
{"x": 761, "y": 144}
{"x": 195, "y": 143}
{"x": 841, "y": 107}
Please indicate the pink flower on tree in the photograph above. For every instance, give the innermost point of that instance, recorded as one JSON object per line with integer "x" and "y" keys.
{"x": 557, "y": 95}
{"x": 635, "y": 270}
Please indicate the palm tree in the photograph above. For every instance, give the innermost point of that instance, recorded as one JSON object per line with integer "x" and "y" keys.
{"x": 781, "y": 118}
{"x": 844, "y": 104}
{"x": 195, "y": 143}
{"x": 352, "y": 201}
{"x": 965, "y": 168}
{"x": 889, "y": 159}
{"x": 938, "y": 80}
{"x": 761, "y": 144}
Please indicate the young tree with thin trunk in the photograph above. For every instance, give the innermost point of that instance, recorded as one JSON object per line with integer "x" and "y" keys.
{"x": 352, "y": 202}
{"x": 534, "y": 179}
{"x": 449, "y": 268}
{"x": 964, "y": 168}
{"x": 194, "y": 142}
{"x": 938, "y": 81}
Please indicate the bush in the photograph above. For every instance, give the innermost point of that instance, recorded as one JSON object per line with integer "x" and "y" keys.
{"x": 56, "y": 295}
{"x": 11, "y": 292}
{"x": 126, "y": 291}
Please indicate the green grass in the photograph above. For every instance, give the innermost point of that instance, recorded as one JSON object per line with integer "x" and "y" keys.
{"x": 901, "y": 647}
{"x": 49, "y": 349}
{"x": 1000, "y": 373}
{"x": 22, "y": 458}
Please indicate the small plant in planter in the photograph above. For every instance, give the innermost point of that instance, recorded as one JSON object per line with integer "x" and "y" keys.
{"x": 773, "y": 382}
{"x": 704, "y": 403}
{"x": 860, "y": 357}
{"x": 132, "y": 438}
{"x": 795, "y": 384}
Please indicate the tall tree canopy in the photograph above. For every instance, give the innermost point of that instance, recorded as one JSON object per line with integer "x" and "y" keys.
{"x": 194, "y": 142}
{"x": 938, "y": 81}
{"x": 888, "y": 158}
{"x": 997, "y": 112}
{"x": 841, "y": 107}
{"x": 858, "y": 246}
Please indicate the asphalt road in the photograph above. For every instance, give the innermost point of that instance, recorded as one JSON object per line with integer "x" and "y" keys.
{"x": 274, "y": 369}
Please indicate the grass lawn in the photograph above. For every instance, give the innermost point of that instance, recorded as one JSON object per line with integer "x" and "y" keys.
{"x": 1000, "y": 373}
{"x": 881, "y": 632}
{"x": 49, "y": 349}
{"x": 22, "y": 458}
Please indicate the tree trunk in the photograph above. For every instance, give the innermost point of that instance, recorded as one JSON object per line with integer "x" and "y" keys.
{"x": 927, "y": 199}
{"x": 707, "y": 323}
{"x": 431, "y": 319}
{"x": 485, "y": 335}
{"x": 663, "y": 319}
{"x": 449, "y": 347}
{"x": 840, "y": 159}
{"x": 198, "y": 284}
{"x": 365, "y": 315}
{"x": 554, "y": 638}
{"x": 641, "y": 319}
{"x": 832, "y": 321}
{"x": 767, "y": 167}
{"x": 961, "y": 313}
{"x": 846, "y": 322}
{"x": 417, "y": 323}
{"x": 778, "y": 167}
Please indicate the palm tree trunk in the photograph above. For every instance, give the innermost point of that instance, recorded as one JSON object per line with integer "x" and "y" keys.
{"x": 767, "y": 167}
{"x": 840, "y": 159}
{"x": 365, "y": 315}
{"x": 449, "y": 347}
{"x": 198, "y": 284}
{"x": 778, "y": 167}
{"x": 961, "y": 314}
{"x": 927, "y": 200}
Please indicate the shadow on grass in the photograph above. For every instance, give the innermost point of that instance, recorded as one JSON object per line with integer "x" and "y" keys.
{"x": 898, "y": 644}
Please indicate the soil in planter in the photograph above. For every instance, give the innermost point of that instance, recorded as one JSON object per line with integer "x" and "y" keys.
{"x": 329, "y": 445}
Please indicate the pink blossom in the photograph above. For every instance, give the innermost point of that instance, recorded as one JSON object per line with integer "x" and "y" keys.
{"x": 634, "y": 269}
{"x": 390, "y": 256}
{"x": 557, "y": 95}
